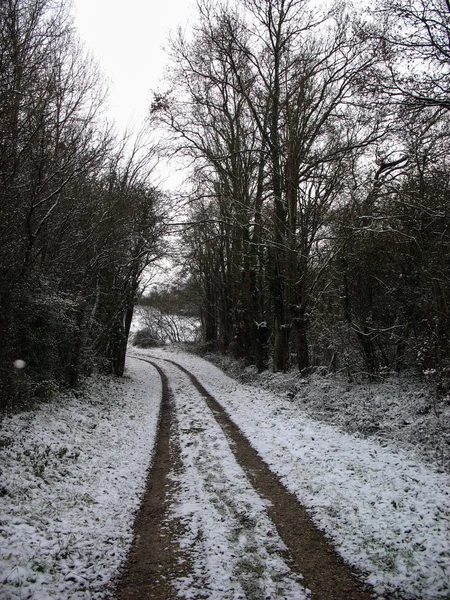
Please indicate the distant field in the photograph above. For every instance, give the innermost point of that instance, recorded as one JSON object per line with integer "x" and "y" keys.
{"x": 166, "y": 328}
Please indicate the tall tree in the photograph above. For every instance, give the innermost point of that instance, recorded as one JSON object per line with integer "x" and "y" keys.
{"x": 60, "y": 208}
{"x": 289, "y": 79}
{"x": 414, "y": 36}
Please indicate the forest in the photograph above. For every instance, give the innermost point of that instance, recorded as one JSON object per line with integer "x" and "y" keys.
{"x": 314, "y": 231}
{"x": 80, "y": 219}
{"x": 318, "y": 221}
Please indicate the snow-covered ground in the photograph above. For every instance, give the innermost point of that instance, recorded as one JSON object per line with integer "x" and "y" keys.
{"x": 233, "y": 546}
{"x": 396, "y": 409}
{"x": 73, "y": 470}
{"x": 385, "y": 512}
{"x": 71, "y": 476}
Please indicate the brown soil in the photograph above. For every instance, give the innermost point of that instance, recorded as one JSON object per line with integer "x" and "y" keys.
{"x": 154, "y": 559}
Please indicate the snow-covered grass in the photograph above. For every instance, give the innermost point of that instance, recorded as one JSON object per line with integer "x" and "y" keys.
{"x": 386, "y": 513}
{"x": 397, "y": 409}
{"x": 71, "y": 476}
{"x": 231, "y": 542}
{"x": 72, "y": 472}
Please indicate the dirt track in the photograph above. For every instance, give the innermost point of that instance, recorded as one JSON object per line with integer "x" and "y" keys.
{"x": 155, "y": 560}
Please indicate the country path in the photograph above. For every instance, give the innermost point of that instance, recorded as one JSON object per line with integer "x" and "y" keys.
{"x": 215, "y": 522}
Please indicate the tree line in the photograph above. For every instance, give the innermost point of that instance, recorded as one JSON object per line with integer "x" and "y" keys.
{"x": 79, "y": 218}
{"x": 318, "y": 223}
{"x": 317, "y": 212}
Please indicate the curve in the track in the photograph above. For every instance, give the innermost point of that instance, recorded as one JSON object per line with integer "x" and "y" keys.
{"x": 324, "y": 572}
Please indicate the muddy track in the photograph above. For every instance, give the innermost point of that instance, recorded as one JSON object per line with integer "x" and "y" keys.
{"x": 154, "y": 560}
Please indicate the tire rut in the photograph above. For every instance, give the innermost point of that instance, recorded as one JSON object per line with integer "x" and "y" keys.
{"x": 154, "y": 561}
{"x": 325, "y": 573}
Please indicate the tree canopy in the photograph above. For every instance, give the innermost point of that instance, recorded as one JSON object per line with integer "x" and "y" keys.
{"x": 80, "y": 219}
{"x": 318, "y": 228}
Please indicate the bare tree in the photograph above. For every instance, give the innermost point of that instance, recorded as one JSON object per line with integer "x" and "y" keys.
{"x": 413, "y": 37}
{"x": 79, "y": 219}
{"x": 286, "y": 80}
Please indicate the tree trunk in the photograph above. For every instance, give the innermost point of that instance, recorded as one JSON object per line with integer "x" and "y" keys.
{"x": 301, "y": 342}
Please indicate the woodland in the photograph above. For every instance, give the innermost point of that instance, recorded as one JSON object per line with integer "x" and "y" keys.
{"x": 312, "y": 231}
{"x": 80, "y": 219}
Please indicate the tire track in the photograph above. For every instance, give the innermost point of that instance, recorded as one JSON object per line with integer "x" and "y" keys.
{"x": 234, "y": 547}
{"x": 154, "y": 559}
{"x": 312, "y": 555}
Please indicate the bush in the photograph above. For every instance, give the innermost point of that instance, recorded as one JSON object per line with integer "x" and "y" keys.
{"x": 145, "y": 338}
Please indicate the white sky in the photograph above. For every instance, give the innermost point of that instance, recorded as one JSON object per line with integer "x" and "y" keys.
{"x": 127, "y": 37}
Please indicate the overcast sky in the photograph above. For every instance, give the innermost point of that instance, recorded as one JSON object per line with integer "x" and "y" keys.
{"x": 126, "y": 37}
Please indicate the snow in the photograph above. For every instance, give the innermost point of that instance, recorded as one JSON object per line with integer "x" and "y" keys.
{"x": 386, "y": 513}
{"x": 164, "y": 327}
{"x": 234, "y": 547}
{"x": 72, "y": 473}
{"x": 397, "y": 409}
